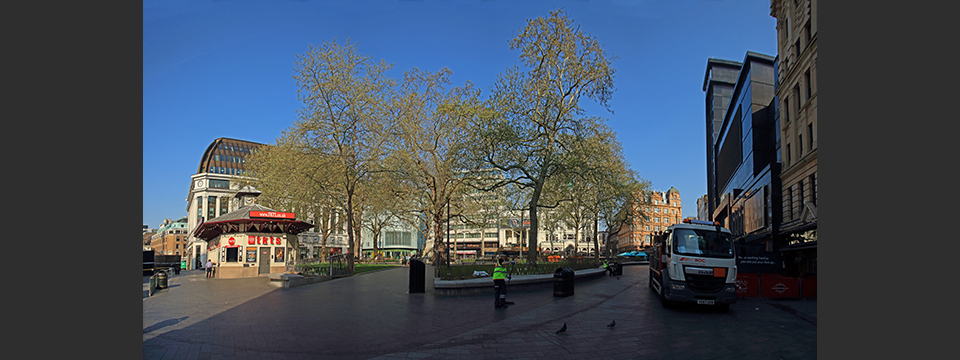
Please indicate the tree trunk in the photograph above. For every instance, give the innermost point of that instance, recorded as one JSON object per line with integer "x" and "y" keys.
{"x": 596, "y": 242}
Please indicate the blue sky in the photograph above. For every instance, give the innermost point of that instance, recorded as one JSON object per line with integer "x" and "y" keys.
{"x": 225, "y": 69}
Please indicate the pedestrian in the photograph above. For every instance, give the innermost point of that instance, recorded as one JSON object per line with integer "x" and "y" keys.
{"x": 209, "y": 268}
{"x": 499, "y": 285}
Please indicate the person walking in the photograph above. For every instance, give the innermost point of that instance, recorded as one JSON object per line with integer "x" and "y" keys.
{"x": 209, "y": 268}
{"x": 499, "y": 285}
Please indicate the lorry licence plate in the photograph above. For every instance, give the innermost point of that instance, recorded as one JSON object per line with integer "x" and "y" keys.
{"x": 705, "y": 302}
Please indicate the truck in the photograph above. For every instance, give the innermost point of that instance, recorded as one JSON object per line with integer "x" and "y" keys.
{"x": 153, "y": 262}
{"x": 694, "y": 262}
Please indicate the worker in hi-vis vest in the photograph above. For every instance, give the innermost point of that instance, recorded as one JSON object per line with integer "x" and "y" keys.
{"x": 500, "y": 285}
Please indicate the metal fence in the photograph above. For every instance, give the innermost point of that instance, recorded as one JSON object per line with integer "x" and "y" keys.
{"x": 337, "y": 266}
{"x": 465, "y": 271}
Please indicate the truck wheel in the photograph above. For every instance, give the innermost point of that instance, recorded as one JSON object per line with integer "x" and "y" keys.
{"x": 663, "y": 298}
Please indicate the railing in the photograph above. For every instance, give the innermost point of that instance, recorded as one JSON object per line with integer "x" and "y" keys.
{"x": 337, "y": 266}
{"x": 459, "y": 272}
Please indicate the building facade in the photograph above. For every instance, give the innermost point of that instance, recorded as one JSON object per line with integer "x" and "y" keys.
{"x": 746, "y": 168}
{"x": 507, "y": 234}
{"x": 172, "y": 238}
{"x": 662, "y": 209}
{"x": 395, "y": 241}
{"x": 719, "y": 81}
{"x": 703, "y": 210}
{"x": 148, "y": 237}
{"x": 221, "y": 173}
{"x": 796, "y": 91}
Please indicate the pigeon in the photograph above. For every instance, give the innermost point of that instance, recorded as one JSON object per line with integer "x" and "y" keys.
{"x": 612, "y": 324}
{"x": 562, "y": 329}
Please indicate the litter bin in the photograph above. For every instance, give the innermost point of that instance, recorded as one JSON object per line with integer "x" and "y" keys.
{"x": 162, "y": 279}
{"x": 417, "y": 276}
{"x": 617, "y": 268}
{"x": 563, "y": 282}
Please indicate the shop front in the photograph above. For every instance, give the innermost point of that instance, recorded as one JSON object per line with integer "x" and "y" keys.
{"x": 250, "y": 254}
{"x": 251, "y": 241}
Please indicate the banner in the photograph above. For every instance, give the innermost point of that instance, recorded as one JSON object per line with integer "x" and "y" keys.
{"x": 755, "y": 259}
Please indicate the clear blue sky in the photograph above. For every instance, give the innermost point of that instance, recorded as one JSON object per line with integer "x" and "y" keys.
{"x": 225, "y": 69}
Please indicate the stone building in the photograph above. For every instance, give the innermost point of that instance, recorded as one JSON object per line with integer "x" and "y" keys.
{"x": 221, "y": 172}
{"x": 797, "y": 93}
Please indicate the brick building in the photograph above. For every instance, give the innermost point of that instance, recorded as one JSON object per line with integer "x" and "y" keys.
{"x": 171, "y": 238}
{"x": 661, "y": 210}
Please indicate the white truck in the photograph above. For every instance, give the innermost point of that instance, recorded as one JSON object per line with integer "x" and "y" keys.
{"x": 694, "y": 262}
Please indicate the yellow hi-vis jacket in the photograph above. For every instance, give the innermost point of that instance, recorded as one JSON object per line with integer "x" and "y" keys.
{"x": 500, "y": 272}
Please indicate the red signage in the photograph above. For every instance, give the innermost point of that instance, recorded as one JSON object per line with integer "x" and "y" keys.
{"x": 264, "y": 240}
{"x": 272, "y": 214}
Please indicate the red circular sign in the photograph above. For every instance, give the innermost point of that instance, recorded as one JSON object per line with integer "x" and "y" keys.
{"x": 231, "y": 241}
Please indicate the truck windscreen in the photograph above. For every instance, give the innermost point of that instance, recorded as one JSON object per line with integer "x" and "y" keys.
{"x": 706, "y": 243}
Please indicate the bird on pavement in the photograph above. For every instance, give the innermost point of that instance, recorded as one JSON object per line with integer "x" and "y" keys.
{"x": 612, "y": 324}
{"x": 562, "y": 329}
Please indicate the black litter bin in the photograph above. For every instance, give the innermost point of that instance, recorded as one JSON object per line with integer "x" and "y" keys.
{"x": 617, "y": 268}
{"x": 563, "y": 282}
{"x": 162, "y": 280}
{"x": 418, "y": 276}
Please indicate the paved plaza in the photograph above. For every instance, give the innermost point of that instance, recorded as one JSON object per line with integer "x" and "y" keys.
{"x": 372, "y": 316}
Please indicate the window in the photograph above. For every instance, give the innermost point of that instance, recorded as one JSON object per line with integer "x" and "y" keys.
{"x": 646, "y": 228}
{"x": 786, "y": 110}
{"x": 806, "y": 78}
{"x": 199, "y": 208}
{"x": 788, "y": 154}
{"x": 656, "y": 228}
{"x": 796, "y": 94}
{"x": 224, "y": 205}
{"x": 797, "y": 46}
{"x": 702, "y": 242}
{"x": 800, "y": 143}
{"x": 800, "y": 186}
{"x": 211, "y": 207}
{"x": 812, "y": 179}
{"x": 810, "y": 135}
{"x": 233, "y": 254}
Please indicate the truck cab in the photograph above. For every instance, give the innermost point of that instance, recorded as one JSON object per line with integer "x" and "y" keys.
{"x": 694, "y": 262}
